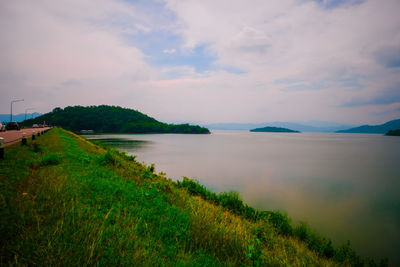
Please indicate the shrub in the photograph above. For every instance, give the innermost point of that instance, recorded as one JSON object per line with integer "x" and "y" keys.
{"x": 122, "y": 154}
{"x": 346, "y": 255}
{"x": 280, "y": 221}
{"x": 50, "y": 159}
{"x": 129, "y": 158}
{"x": 36, "y": 147}
{"x": 152, "y": 168}
{"x": 301, "y": 231}
{"x": 148, "y": 173}
{"x": 109, "y": 158}
{"x": 315, "y": 242}
{"x": 33, "y": 164}
{"x": 254, "y": 252}
{"x": 231, "y": 201}
{"x": 196, "y": 189}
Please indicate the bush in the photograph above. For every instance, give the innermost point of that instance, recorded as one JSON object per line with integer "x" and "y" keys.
{"x": 148, "y": 173}
{"x": 50, "y": 159}
{"x": 33, "y": 164}
{"x": 315, "y": 242}
{"x": 196, "y": 189}
{"x": 109, "y": 158}
{"x": 280, "y": 221}
{"x": 231, "y": 201}
{"x": 122, "y": 154}
{"x": 301, "y": 231}
{"x": 346, "y": 255}
{"x": 36, "y": 147}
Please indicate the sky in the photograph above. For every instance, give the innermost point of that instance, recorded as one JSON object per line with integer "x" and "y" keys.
{"x": 205, "y": 61}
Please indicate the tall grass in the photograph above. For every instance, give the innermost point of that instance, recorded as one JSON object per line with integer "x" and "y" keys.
{"x": 70, "y": 202}
{"x": 281, "y": 225}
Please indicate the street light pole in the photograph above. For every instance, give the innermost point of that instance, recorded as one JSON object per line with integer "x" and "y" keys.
{"x": 27, "y": 110}
{"x": 18, "y": 100}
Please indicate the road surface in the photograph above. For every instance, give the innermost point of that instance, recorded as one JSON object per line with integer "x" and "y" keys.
{"x": 12, "y": 137}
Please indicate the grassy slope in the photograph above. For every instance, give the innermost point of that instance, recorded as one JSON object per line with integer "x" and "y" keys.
{"x": 66, "y": 201}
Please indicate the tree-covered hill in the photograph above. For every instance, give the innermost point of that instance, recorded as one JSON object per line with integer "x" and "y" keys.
{"x": 270, "y": 129}
{"x": 110, "y": 119}
{"x": 375, "y": 129}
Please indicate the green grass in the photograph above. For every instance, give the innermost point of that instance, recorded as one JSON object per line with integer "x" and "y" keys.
{"x": 66, "y": 201}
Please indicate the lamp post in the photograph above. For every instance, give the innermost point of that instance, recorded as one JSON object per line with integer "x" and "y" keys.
{"x": 27, "y": 110}
{"x": 18, "y": 100}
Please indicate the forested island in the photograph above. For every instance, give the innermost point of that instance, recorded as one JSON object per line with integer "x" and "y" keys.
{"x": 393, "y": 132}
{"x": 270, "y": 129}
{"x": 110, "y": 119}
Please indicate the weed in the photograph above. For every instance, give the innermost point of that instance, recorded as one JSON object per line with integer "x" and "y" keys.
{"x": 254, "y": 252}
{"x": 33, "y": 164}
{"x": 36, "y": 147}
{"x": 109, "y": 158}
{"x": 50, "y": 159}
{"x": 280, "y": 221}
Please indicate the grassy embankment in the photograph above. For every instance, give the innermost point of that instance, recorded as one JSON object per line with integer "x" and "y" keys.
{"x": 66, "y": 201}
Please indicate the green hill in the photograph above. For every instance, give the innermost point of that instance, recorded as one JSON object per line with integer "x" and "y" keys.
{"x": 110, "y": 119}
{"x": 65, "y": 201}
{"x": 376, "y": 129}
{"x": 270, "y": 129}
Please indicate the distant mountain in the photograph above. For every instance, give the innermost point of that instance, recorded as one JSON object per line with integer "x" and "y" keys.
{"x": 269, "y": 129}
{"x": 312, "y": 126}
{"x": 376, "y": 129}
{"x": 110, "y": 119}
{"x": 18, "y": 117}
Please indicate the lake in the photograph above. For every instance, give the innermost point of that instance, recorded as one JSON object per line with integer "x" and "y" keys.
{"x": 346, "y": 186}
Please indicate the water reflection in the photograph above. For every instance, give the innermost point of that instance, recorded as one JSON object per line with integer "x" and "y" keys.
{"x": 123, "y": 144}
{"x": 344, "y": 185}
{"x": 127, "y": 144}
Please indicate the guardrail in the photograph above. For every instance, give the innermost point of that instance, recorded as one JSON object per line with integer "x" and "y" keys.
{"x": 1, "y": 148}
{"x": 23, "y": 138}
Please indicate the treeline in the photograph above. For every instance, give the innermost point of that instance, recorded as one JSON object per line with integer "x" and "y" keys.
{"x": 393, "y": 132}
{"x": 110, "y": 119}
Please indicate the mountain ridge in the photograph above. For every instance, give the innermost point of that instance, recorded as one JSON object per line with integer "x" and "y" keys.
{"x": 18, "y": 117}
{"x": 374, "y": 129}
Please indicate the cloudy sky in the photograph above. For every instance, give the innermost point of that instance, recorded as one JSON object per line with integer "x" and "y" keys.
{"x": 205, "y": 61}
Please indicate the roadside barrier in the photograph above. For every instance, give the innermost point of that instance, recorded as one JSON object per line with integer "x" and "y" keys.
{"x": 23, "y": 140}
{"x": 1, "y": 148}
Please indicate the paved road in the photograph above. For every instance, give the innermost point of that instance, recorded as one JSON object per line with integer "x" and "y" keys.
{"x": 11, "y": 137}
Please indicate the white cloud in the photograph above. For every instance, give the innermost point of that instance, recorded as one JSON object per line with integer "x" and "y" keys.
{"x": 282, "y": 39}
{"x": 44, "y": 44}
{"x": 79, "y": 52}
{"x": 169, "y": 51}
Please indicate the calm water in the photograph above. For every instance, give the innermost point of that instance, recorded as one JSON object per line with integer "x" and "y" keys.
{"x": 346, "y": 186}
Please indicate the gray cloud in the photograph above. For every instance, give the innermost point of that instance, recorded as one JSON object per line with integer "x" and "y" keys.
{"x": 389, "y": 56}
{"x": 298, "y": 60}
{"x": 385, "y": 96}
